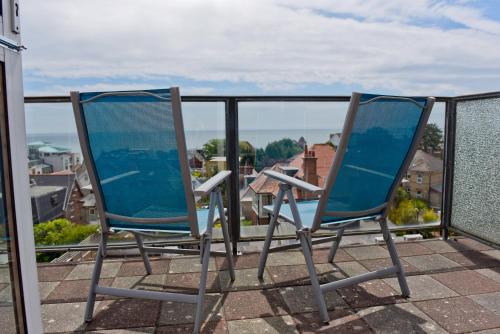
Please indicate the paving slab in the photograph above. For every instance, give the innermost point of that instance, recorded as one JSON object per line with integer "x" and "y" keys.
{"x": 493, "y": 273}
{"x": 190, "y": 282}
{"x": 64, "y": 317}
{"x": 367, "y": 252}
{"x": 84, "y": 271}
{"x": 125, "y": 313}
{"x": 399, "y": 318}
{"x": 173, "y": 313}
{"x": 494, "y": 253}
{"x": 245, "y": 279}
{"x": 268, "y": 325}
{"x": 411, "y": 249}
{"x": 342, "y": 321}
{"x": 320, "y": 255}
{"x": 473, "y": 259}
{"x": 74, "y": 291}
{"x": 377, "y": 264}
{"x": 254, "y": 304}
{"x": 8, "y": 320}
{"x": 423, "y": 287}
{"x": 48, "y": 273}
{"x": 467, "y": 282}
{"x": 212, "y": 327}
{"x": 45, "y": 288}
{"x": 300, "y": 299}
{"x": 136, "y": 268}
{"x": 244, "y": 261}
{"x": 473, "y": 244}
{"x": 5, "y": 275}
{"x": 350, "y": 268}
{"x": 441, "y": 246}
{"x": 370, "y": 293}
{"x": 491, "y": 301}
{"x": 145, "y": 330}
{"x": 289, "y": 258}
{"x": 432, "y": 263}
{"x": 459, "y": 314}
{"x": 189, "y": 264}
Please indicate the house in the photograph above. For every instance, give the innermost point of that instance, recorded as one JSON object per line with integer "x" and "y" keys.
{"x": 312, "y": 165}
{"x": 37, "y": 167}
{"x": 196, "y": 159}
{"x": 47, "y": 202}
{"x": 335, "y": 139}
{"x": 424, "y": 178}
{"x": 42, "y": 154}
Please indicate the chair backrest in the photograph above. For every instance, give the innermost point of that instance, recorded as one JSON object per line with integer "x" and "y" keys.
{"x": 378, "y": 141}
{"x": 134, "y": 147}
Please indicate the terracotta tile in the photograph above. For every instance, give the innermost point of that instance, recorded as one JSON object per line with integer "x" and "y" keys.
{"x": 136, "y": 268}
{"x": 321, "y": 255}
{"x": 268, "y": 325}
{"x": 491, "y": 301}
{"x": 411, "y": 249}
{"x": 432, "y": 263}
{"x": 212, "y": 327}
{"x": 74, "y": 291}
{"x": 49, "y": 273}
{"x": 65, "y": 317}
{"x": 244, "y": 261}
{"x": 300, "y": 299}
{"x": 254, "y": 304}
{"x": 473, "y": 259}
{"x": 399, "y": 318}
{"x": 467, "y": 282}
{"x": 459, "y": 314}
{"x": 374, "y": 292}
{"x": 367, "y": 252}
{"x": 341, "y": 322}
{"x": 423, "y": 287}
{"x": 125, "y": 313}
{"x": 190, "y": 282}
{"x": 174, "y": 313}
{"x": 377, "y": 264}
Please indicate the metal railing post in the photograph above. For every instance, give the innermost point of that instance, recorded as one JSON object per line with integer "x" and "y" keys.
{"x": 448, "y": 163}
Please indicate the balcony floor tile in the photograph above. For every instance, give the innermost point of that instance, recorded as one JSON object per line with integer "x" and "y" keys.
{"x": 467, "y": 282}
{"x": 423, "y": 287}
{"x": 268, "y": 325}
{"x": 432, "y": 263}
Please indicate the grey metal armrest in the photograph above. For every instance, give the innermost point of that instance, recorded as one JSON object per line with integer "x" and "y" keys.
{"x": 294, "y": 182}
{"x": 212, "y": 183}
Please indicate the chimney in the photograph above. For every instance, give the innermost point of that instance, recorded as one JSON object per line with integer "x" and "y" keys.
{"x": 309, "y": 166}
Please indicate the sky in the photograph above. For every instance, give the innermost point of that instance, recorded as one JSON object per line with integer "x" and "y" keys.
{"x": 262, "y": 47}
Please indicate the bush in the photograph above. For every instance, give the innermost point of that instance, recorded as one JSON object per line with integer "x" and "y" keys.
{"x": 405, "y": 213}
{"x": 60, "y": 232}
{"x": 429, "y": 216}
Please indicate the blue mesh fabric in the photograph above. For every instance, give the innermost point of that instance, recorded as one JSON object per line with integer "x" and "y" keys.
{"x": 133, "y": 144}
{"x": 381, "y": 137}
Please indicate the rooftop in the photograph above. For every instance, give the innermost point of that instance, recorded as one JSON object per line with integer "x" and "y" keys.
{"x": 455, "y": 288}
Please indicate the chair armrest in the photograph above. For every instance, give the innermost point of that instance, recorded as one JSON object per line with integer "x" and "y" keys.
{"x": 294, "y": 182}
{"x": 212, "y": 183}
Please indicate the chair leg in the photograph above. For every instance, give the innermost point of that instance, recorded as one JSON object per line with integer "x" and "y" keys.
{"x": 335, "y": 245}
{"x": 318, "y": 295}
{"x": 96, "y": 274}
{"x": 270, "y": 232}
{"x": 225, "y": 232}
{"x": 405, "y": 291}
{"x": 205, "y": 254}
{"x": 144, "y": 254}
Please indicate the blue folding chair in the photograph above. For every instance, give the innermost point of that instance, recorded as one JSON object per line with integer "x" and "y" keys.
{"x": 378, "y": 141}
{"x": 134, "y": 147}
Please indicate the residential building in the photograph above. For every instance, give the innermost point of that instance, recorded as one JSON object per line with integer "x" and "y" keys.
{"x": 312, "y": 166}
{"x": 47, "y": 202}
{"x": 57, "y": 157}
{"x": 424, "y": 178}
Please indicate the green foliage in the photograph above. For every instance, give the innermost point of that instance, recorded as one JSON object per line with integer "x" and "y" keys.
{"x": 196, "y": 174}
{"x": 217, "y": 147}
{"x": 404, "y": 213}
{"x": 429, "y": 216}
{"x": 60, "y": 232}
{"x": 401, "y": 195}
{"x": 276, "y": 151}
{"x": 432, "y": 138}
{"x": 246, "y": 222}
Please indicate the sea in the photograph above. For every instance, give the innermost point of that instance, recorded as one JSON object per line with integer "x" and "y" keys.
{"x": 195, "y": 139}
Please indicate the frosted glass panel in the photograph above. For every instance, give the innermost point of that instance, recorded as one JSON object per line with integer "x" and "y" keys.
{"x": 476, "y": 185}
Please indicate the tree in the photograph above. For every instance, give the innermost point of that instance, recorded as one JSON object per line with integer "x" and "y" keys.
{"x": 432, "y": 138}
{"x": 429, "y": 216}
{"x": 276, "y": 151}
{"x": 404, "y": 213}
{"x": 217, "y": 147}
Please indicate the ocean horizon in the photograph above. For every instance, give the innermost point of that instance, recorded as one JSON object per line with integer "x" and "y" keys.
{"x": 195, "y": 139}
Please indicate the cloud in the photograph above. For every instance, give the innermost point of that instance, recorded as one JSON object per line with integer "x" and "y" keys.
{"x": 384, "y": 46}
